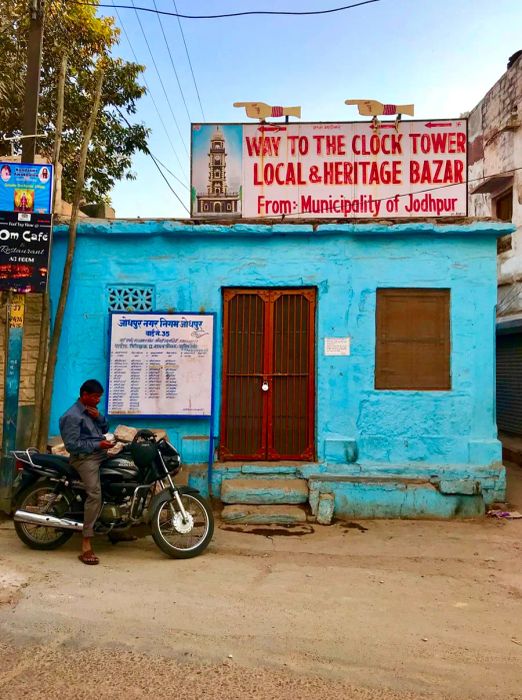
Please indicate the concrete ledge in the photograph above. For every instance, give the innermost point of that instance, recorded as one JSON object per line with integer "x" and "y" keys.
{"x": 460, "y": 226}
{"x": 325, "y": 509}
{"x": 264, "y": 515}
{"x": 408, "y": 499}
{"x": 264, "y": 491}
{"x": 262, "y": 469}
{"x": 366, "y": 490}
{"x": 385, "y": 480}
{"x": 468, "y": 487}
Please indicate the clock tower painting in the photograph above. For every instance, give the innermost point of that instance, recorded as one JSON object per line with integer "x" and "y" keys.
{"x": 219, "y": 199}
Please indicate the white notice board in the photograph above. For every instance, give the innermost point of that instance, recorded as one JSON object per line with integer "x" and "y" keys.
{"x": 160, "y": 364}
{"x": 337, "y": 346}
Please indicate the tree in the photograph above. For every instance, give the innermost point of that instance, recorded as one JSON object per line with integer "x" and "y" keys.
{"x": 75, "y": 30}
{"x": 44, "y": 413}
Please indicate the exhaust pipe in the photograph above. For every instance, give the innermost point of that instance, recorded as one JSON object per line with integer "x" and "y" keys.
{"x": 23, "y": 516}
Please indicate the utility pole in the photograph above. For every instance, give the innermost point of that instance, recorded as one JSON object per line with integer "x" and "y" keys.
{"x": 32, "y": 83}
{"x": 16, "y": 302}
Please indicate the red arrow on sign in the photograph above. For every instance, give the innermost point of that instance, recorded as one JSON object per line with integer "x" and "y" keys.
{"x": 432, "y": 124}
{"x": 263, "y": 128}
{"x": 380, "y": 125}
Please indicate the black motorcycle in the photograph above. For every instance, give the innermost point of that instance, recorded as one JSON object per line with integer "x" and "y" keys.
{"x": 137, "y": 488}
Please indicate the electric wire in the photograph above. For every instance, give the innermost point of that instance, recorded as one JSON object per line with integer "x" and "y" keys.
{"x": 160, "y": 79}
{"x": 147, "y": 150}
{"x": 189, "y": 62}
{"x": 149, "y": 92}
{"x": 171, "y": 173}
{"x": 156, "y": 163}
{"x": 291, "y": 13}
{"x": 407, "y": 194}
{"x": 172, "y": 61}
{"x": 169, "y": 185}
{"x": 452, "y": 184}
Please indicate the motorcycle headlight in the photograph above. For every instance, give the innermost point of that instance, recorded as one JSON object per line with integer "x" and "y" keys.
{"x": 173, "y": 463}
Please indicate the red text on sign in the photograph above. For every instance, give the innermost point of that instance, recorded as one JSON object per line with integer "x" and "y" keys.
{"x": 362, "y": 172}
{"x": 330, "y": 145}
{"x": 451, "y": 142}
{"x": 443, "y": 172}
{"x": 263, "y": 145}
{"x": 281, "y": 174}
{"x": 389, "y": 144}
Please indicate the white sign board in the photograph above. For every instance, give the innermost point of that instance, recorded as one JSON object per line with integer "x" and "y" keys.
{"x": 338, "y": 170}
{"x": 337, "y": 346}
{"x": 160, "y": 364}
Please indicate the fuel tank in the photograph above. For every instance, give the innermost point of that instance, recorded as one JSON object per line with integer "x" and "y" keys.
{"x": 120, "y": 468}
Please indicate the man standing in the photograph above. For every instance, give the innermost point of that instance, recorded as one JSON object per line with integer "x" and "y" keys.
{"x": 83, "y": 430}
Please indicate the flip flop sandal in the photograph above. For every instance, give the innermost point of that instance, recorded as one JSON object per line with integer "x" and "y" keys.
{"x": 89, "y": 558}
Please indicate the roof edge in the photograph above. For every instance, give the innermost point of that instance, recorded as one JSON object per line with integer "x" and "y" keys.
{"x": 140, "y": 227}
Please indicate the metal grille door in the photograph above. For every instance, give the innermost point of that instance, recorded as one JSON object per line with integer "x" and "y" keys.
{"x": 243, "y": 426}
{"x": 509, "y": 383}
{"x": 268, "y": 374}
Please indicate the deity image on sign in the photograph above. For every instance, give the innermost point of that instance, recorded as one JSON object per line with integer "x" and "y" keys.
{"x": 5, "y": 173}
{"x": 24, "y": 200}
{"x": 44, "y": 174}
{"x": 220, "y": 147}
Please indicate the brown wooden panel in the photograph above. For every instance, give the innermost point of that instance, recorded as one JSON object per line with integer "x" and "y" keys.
{"x": 413, "y": 339}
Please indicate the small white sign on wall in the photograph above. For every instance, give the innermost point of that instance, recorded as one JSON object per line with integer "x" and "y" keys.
{"x": 337, "y": 346}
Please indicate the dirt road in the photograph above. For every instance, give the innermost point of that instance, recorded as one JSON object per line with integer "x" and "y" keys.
{"x": 380, "y": 609}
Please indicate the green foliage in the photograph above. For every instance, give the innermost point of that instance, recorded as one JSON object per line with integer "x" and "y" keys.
{"x": 87, "y": 40}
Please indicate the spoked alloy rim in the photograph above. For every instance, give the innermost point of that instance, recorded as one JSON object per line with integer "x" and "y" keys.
{"x": 38, "y": 501}
{"x": 169, "y": 519}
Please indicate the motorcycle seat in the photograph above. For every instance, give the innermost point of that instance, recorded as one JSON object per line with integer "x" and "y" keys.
{"x": 58, "y": 462}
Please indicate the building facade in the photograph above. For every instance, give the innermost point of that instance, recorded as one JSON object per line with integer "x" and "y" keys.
{"x": 495, "y": 176}
{"x": 355, "y": 359}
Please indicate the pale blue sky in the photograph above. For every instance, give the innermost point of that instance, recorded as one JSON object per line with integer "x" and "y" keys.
{"x": 442, "y": 55}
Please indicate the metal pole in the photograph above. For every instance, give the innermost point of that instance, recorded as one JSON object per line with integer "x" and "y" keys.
{"x": 32, "y": 83}
{"x": 16, "y": 302}
{"x": 14, "y": 333}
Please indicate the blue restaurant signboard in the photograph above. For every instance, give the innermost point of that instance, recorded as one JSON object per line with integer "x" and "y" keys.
{"x": 26, "y": 187}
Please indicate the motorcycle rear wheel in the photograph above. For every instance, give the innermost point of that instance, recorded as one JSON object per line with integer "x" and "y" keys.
{"x": 36, "y": 499}
{"x": 181, "y": 540}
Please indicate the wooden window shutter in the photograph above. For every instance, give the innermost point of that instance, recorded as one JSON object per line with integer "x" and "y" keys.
{"x": 413, "y": 339}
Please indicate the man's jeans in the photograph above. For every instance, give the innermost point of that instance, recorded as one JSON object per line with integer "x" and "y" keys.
{"x": 88, "y": 467}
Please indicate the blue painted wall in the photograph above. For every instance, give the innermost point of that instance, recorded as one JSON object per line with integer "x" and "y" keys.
{"x": 189, "y": 265}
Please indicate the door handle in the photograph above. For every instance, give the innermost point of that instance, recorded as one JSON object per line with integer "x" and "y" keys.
{"x": 264, "y": 386}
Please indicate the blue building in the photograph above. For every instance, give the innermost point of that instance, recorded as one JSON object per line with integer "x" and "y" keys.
{"x": 355, "y": 363}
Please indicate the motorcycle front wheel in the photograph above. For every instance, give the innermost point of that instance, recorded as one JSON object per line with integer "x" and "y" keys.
{"x": 179, "y": 538}
{"x": 41, "y": 498}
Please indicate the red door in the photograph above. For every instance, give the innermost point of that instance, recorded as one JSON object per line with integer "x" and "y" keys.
{"x": 268, "y": 404}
